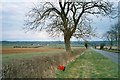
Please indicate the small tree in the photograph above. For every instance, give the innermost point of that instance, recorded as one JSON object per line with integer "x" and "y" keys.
{"x": 109, "y": 36}
{"x": 102, "y": 45}
{"x": 86, "y": 44}
{"x": 113, "y": 34}
{"x": 94, "y": 45}
{"x": 115, "y": 31}
{"x": 68, "y": 18}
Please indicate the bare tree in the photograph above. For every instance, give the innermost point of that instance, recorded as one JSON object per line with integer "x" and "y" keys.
{"x": 114, "y": 29}
{"x": 68, "y": 18}
{"x": 115, "y": 32}
{"x": 109, "y": 36}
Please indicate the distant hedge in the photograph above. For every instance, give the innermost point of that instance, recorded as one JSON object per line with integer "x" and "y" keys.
{"x": 27, "y": 46}
{"x": 37, "y": 67}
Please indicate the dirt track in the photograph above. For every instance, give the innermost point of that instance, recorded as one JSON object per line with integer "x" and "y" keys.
{"x": 27, "y": 50}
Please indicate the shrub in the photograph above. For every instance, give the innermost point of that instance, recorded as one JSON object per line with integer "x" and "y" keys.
{"x": 102, "y": 45}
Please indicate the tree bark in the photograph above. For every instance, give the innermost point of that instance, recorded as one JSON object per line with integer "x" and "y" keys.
{"x": 110, "y": 45}
{"x": 67, "y": 43}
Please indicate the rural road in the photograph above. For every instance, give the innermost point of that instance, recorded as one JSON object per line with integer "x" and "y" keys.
{"x": 110, "y": 55}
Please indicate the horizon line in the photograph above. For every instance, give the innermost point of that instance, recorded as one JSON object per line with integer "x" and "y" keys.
{"x": 40, "y": 40}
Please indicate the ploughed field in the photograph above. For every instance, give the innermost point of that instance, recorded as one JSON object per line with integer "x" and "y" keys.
{"x": 28, "y": 50}
{"x": 20, "y": 50}
{"x": 9, "y": 54}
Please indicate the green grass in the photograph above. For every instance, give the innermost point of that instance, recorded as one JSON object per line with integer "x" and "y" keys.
{"x": 114, "y": 51}
{"x": 90, "y": 65}
{"x": 7, "y": 57}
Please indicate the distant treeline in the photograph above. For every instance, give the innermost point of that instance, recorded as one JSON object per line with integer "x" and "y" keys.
{"x": 26, "y": 46}
{"x": 36, "y": 44}
{"x": 58, "y": 42}
{"x": 41, "y": 43}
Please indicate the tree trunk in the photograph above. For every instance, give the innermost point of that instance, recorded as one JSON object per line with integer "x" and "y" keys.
{"x": 67, "y": 43}
{"x": 110, "y": 45}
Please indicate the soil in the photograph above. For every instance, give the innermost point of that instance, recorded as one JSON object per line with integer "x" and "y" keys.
{"x": 27, "y": 50}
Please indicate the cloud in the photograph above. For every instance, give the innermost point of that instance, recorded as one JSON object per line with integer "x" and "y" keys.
{"x": 5, "y": 1}
{"x": 13, "y": 16}
{"x": 28, "y": 0}
{"x": 21, "y": 35}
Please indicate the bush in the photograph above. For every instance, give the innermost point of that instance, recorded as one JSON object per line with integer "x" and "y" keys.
{"x": 102, "y": 45}
{"x": 95, "y": 46}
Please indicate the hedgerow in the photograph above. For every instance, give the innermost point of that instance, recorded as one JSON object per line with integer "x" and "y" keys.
{"x": 37, "y": 67}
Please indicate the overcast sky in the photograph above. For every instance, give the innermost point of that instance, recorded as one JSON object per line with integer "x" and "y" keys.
{"x": 12, "y": 16}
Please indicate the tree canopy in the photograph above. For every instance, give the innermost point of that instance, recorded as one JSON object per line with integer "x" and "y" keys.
{"x": 68, "y": 18}
{"x": 112, "y": 35}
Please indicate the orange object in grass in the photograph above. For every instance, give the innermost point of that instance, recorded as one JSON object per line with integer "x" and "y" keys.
{"x": 60, "y": 67}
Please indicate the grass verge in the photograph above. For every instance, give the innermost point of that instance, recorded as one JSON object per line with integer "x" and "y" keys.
{"x": 90, "y": 65}
{"x": 114, "y": 51}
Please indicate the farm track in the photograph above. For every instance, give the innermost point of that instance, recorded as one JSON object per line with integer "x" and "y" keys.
{"x": 110, "y": 55}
